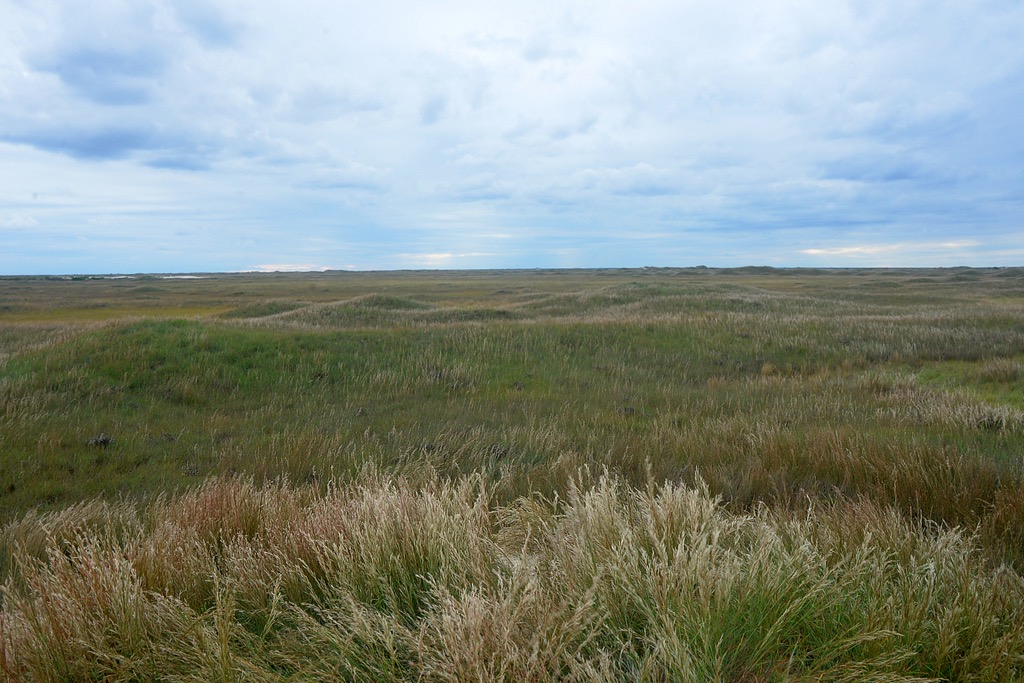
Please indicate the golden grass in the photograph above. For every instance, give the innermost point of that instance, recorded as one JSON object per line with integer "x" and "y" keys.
{"x": 384, "y": 579}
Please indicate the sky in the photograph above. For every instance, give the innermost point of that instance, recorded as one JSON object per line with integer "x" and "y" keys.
{"x": 175, "y": 136}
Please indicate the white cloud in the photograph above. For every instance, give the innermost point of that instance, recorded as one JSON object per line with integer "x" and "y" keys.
{"x": 861, "y": 250}
{"x": 17, "y": 220}
{"x": 288, "y": 268}
{"x": 442, "y": 260}
{"x": 876, "y": 249}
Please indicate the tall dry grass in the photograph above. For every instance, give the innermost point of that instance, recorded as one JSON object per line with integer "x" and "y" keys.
{"x": 437, "y": 581}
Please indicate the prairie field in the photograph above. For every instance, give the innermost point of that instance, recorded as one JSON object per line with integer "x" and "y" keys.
{"x": 697, "y": 474}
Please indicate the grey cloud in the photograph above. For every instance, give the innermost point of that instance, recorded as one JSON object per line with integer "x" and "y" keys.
{"x": 179, "y": 163}
{"x": 541, "y": 47}
{"x": 902, "y": 124}
{"x": 537, "y": 47}
{"x": 343, "y": 176}
{"x": 107, "y": 143}
{"x": 641, "y": 180}
{"x": 874, "y": 169}
{"x": 157, "y": 146}
{"x": 208, "y": 23}
{"x": 317, "y": 103}
{"x": 432, "y": 109}
{"x": 361, "y": 184}
{"x": 125, "y": 54}
{"x": 107, "y": 75}
{"x": 486, "y": 187}
{"x": 566, "y": 130}
{"x": 535, "y": 132}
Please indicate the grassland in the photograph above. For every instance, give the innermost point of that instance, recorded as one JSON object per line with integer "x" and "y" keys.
{"x": 659, "y": 474}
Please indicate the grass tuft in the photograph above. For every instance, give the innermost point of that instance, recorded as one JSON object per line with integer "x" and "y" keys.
{"x": 392, "y": 580}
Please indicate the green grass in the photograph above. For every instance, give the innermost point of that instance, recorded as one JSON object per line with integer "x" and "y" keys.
{"x": 998, "y": 381}
{"x": 887, "y": 402}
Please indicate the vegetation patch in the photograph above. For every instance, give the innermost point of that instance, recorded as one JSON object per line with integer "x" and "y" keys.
{"x": 262, "y": 309}
{"x": 686, "y": 474}
{"x": 382, "y": 579}
{"x": 995, "y": 381}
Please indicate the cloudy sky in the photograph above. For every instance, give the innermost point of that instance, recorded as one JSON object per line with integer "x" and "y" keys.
{"x": 195, "y": 135}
